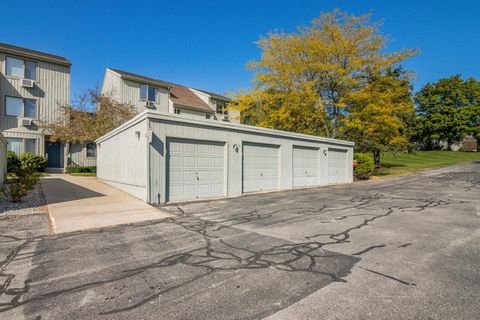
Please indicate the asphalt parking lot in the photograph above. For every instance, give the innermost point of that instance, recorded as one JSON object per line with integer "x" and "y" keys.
{"x": 400, "y": 248}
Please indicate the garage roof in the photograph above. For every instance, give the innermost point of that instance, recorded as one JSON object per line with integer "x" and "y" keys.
{"x": 165, "y": 116}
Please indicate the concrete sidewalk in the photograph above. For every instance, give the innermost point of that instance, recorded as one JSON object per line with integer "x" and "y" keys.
{"x": 79, "y": 203}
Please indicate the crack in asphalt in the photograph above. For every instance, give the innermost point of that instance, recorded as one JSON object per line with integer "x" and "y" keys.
{"x": 217, "y": 254}
{"x": 387, "y": 276}
{"x": 368, "y": 249}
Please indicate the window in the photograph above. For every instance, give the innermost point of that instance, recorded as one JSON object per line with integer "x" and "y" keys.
{"x": 221, "y": 108}
{"x": 143, "y": 92}
{"x": 30, "y": 70}
{"x": 91, "y": 150}
{"x": 13, "y": 106}
{"x": 152, "y": 93}
{"x": 15, "y": 145}
{"x": 14, "y": 67}
{"x": 20, "y": 146}
{"x": 148, "y": 93}
{"x": 21, "y": 68}
{"x": 19, "y": 107}
{"x": 30, "y": 108}
{"x": 31, "y": 145}
{"x": 208, "y": 115}
{"x": 177, "y": 110}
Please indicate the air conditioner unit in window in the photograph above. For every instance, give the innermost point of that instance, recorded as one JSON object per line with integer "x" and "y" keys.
{"x": 26, "y": 122}
{"x": 27, "y": 83}
{"x": 225, "y": 117}
{"x": 149, "y": 104}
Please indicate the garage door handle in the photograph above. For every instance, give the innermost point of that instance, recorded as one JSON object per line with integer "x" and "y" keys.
{"x": 197, "y": 176}
{"x": 261, "y": 174}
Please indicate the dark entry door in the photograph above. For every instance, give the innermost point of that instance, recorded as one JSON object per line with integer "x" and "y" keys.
{"x": 53, "y": 150}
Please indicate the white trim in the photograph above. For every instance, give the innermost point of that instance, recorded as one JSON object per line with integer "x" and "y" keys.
{"x": 218, "y": 124}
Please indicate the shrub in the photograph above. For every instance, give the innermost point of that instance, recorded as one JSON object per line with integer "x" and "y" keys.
{"x": 80, "y": 169}
{"x": 13, "y": 163}
{"x": 469, "y": 145}
{"x": 32, "y": 162}
{"x": 365, "y": 166}
{"x": 23, "y": 180}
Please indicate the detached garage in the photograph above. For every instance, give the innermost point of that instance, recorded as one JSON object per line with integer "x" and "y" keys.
{"x": 162, "y": 157}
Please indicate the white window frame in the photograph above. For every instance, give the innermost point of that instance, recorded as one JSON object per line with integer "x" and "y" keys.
{"x": 24, "y": 69}
{"x": 23, "y": 107}
{"x": 148, "y": 88}
{"x": 86, "y": 150}
{"x": 24, "y": 143}
{"x": 224, "y": 108}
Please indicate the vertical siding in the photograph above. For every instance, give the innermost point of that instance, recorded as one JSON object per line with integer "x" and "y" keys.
{"x": 51, "y": 90}
{"x": 122, "y": 160}
{"x": 78, "y": 156}
{"x": 164, "y": 129}
{"x": 3, "y": 160}
{"x": 130, "y": 92}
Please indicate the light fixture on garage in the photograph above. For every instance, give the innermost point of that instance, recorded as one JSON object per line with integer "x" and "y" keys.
{"x": 236, "y": 147}
{"x": 325, "y": 152}
{"x": 137, "y": 134}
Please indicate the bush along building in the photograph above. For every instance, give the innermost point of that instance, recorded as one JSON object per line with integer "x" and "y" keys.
{"x": 33, "y": 85}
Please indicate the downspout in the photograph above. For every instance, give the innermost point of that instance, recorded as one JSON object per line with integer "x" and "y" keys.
{"x": 149, "y": 176}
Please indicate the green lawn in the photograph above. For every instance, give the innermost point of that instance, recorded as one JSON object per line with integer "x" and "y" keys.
{"x": 83, "y": 174}
{"x": 403, "y": 163}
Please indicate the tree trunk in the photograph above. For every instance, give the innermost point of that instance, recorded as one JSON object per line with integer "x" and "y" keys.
{"x": 478, "y": 144}
{"x": 376, "y": 157}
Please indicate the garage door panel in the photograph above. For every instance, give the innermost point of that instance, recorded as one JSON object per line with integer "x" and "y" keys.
{"x": 195, "y": 169}
{"x": 337, "y": 166}
{"x": 175, "y": 161}
{"x": 189, "y": 176}
{"x": 203, "y": 162}
{"x": 217, "y": 163}
{"x": 260, "y": 167}
{"x": 305, "y": 166}
{"x": 216, "y": 176}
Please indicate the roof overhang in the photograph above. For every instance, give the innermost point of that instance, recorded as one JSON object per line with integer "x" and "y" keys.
{"x": 26, "y": 53}
{"x": 144, "y": 80}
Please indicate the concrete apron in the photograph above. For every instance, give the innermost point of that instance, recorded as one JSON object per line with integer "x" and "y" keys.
{"x": 80, "y": 203}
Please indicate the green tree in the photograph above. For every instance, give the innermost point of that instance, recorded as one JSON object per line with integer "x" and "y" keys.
{"x": 303, "y": 79}
{"x": 380, "y": 113}
{"x": 448, "y": 110}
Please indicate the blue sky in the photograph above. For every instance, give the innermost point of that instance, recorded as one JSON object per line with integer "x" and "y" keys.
{"x": 206, "y": 44}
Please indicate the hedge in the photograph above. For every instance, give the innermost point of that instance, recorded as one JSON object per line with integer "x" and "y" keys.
{"x": 80, "y": 169}
{"x": 364, "y": 169}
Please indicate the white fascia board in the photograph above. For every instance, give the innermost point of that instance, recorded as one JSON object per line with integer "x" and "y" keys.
{"x": 138, "y": 118}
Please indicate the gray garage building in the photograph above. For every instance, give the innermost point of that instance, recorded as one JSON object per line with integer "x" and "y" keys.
{"x": 162, "y": 157}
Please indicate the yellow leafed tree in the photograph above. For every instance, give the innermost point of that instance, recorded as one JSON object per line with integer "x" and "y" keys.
{"x": 380, "y": 113}
{"x": 306, "y": 80}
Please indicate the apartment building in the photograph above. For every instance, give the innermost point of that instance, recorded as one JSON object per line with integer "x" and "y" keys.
{"x": 32, "y": 86}
{"x": 146, "y": 93}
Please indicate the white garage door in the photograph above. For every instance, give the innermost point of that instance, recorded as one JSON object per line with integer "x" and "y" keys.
{"x": 195, "y": 170}
{"x": 260, "y": 167}
{"x": 305, "y": 166}
{"x": 337, "y": 166}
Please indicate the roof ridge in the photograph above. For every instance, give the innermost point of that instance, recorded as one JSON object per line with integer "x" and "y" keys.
{"x": 166, "y": 82}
